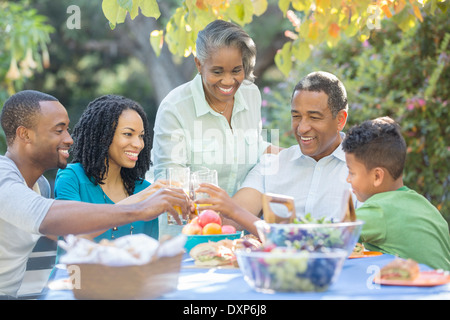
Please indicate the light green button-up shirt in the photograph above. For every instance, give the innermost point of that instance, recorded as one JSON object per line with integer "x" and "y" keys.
{"x": 189, "y": 133}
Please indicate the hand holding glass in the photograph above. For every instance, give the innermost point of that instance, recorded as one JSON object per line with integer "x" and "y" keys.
{"x": 178, "y": 178}
{"x": 203, "y": 176}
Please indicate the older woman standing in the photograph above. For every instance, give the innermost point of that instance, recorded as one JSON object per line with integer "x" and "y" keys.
{"x": 214, "y": 120}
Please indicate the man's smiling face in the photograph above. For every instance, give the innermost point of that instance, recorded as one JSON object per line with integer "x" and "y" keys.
{"x": 315, "y": 128}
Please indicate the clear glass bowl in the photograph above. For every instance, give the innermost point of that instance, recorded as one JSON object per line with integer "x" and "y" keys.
{"x": 310, "y": 236}
{"x": 285, "y": 270}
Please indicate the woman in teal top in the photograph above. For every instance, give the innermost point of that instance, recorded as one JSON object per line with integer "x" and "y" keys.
{"x": 72, "y": 183}
{"x": 111, "y": 154}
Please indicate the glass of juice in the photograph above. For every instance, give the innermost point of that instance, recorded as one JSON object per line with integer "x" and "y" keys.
{"x": 178, "y": 178}
{"x": 203, "y": 176}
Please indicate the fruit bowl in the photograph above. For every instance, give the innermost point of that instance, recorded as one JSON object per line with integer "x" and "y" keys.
{"x": 313, "y": 237}
{"x": 193, "y": 240}
{"x": 287, "y": 270}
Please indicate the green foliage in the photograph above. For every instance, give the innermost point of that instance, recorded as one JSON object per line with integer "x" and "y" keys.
{"x": 90, "y": 62}
{"x": 313, "y": 21}
{"x": 116, "y": 10}
{"x": 85, "y": 63}
{"x": 24, "y": 35}
{"x": 404, "y": 75}
{"x": 328, "y": 21}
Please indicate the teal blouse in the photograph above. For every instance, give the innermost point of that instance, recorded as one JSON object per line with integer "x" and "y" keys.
{"x": 72, "y": 183}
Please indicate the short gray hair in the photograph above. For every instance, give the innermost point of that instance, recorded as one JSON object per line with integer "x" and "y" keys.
{"x": 219, "y": 34}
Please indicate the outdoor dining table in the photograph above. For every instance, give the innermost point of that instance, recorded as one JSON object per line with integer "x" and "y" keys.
{"x": 355, "y": 282}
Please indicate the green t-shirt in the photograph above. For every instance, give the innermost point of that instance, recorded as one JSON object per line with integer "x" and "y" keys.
{"x": 406, "y": 224}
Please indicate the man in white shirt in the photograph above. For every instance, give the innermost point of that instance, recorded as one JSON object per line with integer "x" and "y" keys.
{"x": 314, "y": 171}
{"x": 36, "y": 128}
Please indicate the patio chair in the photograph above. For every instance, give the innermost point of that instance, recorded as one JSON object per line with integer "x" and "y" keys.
{"x": 39, "y": 267}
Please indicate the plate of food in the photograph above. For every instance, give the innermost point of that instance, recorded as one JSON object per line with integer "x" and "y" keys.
{"x": 221, "y": 253}
{"x": 360, "y": 252}
{"x": 365, "y": 254}
{"x": 400, "y": 272}
{"x": 208, "y": 227}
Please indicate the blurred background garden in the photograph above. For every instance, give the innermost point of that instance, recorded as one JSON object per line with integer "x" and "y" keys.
{"x": 393, "y": 57}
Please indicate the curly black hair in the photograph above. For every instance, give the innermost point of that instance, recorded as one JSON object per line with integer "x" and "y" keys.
{"x": 377, "y": 143}
{"x": 94, "y": 133}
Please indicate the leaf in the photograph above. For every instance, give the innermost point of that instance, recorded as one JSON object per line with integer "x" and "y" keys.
{"x": 443, "y": 6}
{"x": 110, "y": 9}
{"x": 156, "y": 41}
{"x": 113, "y": 12}
{"x": 313, "y": 32}
{"x": 333, "y": 30}
{"x": 126, "y": 4}
{"x": 201, "y": 5}
{"x": 176, "y": 36}
{"x": 135, "y": 9}
{"x": 121, "y": 15}
{"x": 302, "y": 51}
{"x": 241, "y": 11}
{"x": 386, "y": 10}
{"x": 351, "y": 30}
{"x": 417, "y": 12}
{"x": 399, "y": 5}
{"x": 214, "y": 3}
{"x": 150, "y": 8}
{"x": 322, "y": 5}
{"x": 284, "y": 6}
{"x": 260, "y": 6}
{"x": 304, "y": 28}
{"x": 301, "y": 5}
{"x": 283, "y": 59}
{"x": 404, "y": 20}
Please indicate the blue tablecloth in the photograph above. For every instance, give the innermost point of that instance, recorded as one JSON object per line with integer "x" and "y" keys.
{"x": 355, "y": 282}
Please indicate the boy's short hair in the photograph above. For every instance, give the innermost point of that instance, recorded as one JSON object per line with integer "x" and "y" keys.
{"x": 378, "y": 143}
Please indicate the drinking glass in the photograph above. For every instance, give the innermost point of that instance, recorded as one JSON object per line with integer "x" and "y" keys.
{"x": 178, "y": 178}
{"x": 203, "y": 176}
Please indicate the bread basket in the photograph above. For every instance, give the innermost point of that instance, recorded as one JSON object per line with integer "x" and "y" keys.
{"x": 128, "y": 268}
{"x": 136, "y": 282}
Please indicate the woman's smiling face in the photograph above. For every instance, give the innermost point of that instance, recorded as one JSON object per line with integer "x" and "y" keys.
{"x": 222, "y": 74}
{"x": 128, "y": 140}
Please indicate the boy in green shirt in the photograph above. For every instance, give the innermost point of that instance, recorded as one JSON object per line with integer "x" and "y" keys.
{"x": 398, "y": 220}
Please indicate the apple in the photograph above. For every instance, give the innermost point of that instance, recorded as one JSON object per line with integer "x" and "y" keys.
{"x": 227, "y": 229}
{"x": 191, "y": 229}
{"x": 195, "y": 221}
{"x": 209, "y": 216}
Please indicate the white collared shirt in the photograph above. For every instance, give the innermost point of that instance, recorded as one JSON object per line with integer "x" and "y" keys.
{"x": 189, "y": 133}
{"x": 318, "y": 187}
